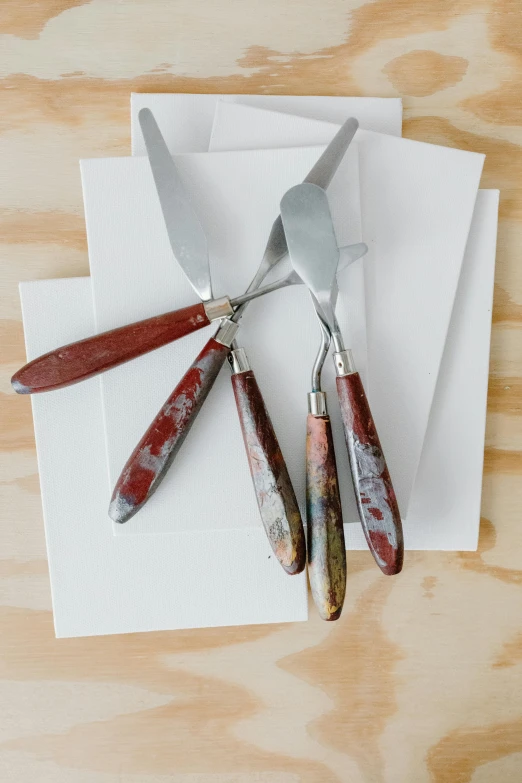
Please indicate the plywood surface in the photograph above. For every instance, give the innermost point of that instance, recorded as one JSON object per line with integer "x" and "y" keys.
{"x": 421, "y": 680}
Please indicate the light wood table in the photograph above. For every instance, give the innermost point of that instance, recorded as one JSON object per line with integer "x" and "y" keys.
{"x": 421, "y": 680}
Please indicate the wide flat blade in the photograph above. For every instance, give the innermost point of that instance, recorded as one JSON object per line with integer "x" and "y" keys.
{"x": 186, "y": 234}
{"x": 312, "y": 244}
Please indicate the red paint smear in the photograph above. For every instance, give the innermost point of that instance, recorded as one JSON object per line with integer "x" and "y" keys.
{"x": 356, "y": 410}
{"x": 359, "y": 425}
{"x": 391, "y": 556}
{"x": 136, "y": 480}
{"x": 259, "y": 437}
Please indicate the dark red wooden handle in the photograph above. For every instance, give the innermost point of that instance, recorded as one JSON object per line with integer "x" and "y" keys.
{"x": 326, "y": 548}
{"x": 81, "y": 360}
{"x": 152, "y": 457}
{"x": 378, "y": 509}
{"x": 275, "y": 495}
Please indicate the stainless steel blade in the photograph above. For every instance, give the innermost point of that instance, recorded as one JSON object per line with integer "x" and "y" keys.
{"x": 321, "y": 175}
{"x": 186, "y": 234}
{"x": 312, "y": 245}
{"x": 325, "y": 168}
{"x": 349, "y": 254}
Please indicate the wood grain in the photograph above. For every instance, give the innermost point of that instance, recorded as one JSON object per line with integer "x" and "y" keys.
{"x": 421, "y": 678}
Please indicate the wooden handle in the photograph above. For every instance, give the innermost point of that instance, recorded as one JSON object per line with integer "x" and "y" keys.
{"x": 81, "y": 360}
{"x": 275, "y": 494}
{"x": 326, "y": 548}
{"x": 152, "y": 457}
{"x": 378, "y": 509}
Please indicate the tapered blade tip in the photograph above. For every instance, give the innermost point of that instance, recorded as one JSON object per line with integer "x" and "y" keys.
{"x": 349, "y": 128}
{"x": 144, "y": 113}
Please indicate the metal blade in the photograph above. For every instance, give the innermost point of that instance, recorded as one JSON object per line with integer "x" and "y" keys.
{"x": 312, "y": 245}
{"x": 321, "y": 174}
{"x": 186, "y": 234}
{"x": 325, "y": 168}
{"x": 347, "y": 255}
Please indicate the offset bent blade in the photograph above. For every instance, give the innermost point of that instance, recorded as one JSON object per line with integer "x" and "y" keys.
{"x": 186, "y": 235}
{"x": 312, "y": 245}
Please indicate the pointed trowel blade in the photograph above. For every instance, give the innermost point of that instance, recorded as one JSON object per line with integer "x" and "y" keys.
{"x": 186, "y": 235}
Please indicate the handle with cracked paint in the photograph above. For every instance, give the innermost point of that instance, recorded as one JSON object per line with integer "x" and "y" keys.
{"x": 81, "y": 360}
{"x": 152, "y": 457}
{"x": 326, "y": 547}
{"x": 274, "y": 492}
{"x": 376, "y": 501}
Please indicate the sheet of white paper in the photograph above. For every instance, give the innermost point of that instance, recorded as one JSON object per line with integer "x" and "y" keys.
{"x": 186, "y": 120}
{"x": 417, "y": 203}
{"x": 444, "y": 510}
{"x": 103, "y": 585}
{"x": 135, "y": 275}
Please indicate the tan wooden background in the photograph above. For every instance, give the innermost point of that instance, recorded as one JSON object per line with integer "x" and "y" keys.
{"x": 421, "y": 680}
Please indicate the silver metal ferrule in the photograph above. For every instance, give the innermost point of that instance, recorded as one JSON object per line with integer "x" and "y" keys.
{"x": 344, "y": 364}
{"x": 317, "y": 403}
{"x": 238, "y": 360}
{"x": 226, "y": 332}
{"x": 218, "y": 308}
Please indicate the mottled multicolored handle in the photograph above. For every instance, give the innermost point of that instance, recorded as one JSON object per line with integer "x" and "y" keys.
{"x": 155, "y": 452}
{"x": 79, "y": 361}
{"x": 275, "y": 494}
{"x": 378, "y": 509}
{"x": 326, "y": 548}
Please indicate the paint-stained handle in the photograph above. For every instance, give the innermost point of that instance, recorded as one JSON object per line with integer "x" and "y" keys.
{"x": 326, "y": 548}
{"x": 275, "y": 495}
{"x": 152, "y": 457}
{"x": 374, "y": 492}
{"x": 79, "y": 361}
